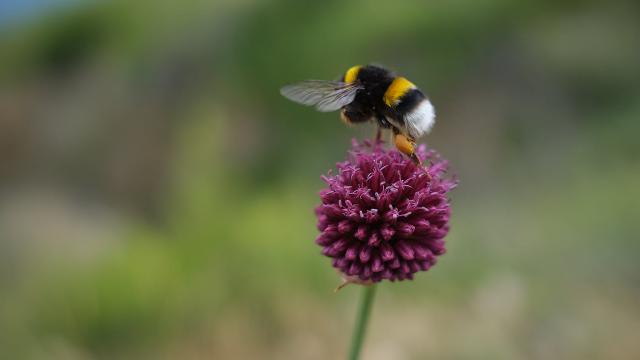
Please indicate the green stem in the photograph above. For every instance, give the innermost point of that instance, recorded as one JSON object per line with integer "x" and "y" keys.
{"x": 360, "y": 327}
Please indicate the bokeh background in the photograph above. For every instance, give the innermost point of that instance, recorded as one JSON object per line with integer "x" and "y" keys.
{"x": 156, "y": 191}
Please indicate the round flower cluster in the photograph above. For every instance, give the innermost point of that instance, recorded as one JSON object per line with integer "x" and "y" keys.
{"x": 382, "y": 216}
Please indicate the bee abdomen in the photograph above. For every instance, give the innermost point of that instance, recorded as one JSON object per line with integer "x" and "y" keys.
{"x": 409, "y": 103}
{"x": 398, "y": 88}
{"x": 420, "y": 119}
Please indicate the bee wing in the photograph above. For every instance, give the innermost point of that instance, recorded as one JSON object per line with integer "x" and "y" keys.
{"x": 325, "y": 95}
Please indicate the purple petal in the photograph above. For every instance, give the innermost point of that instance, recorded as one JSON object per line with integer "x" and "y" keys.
{"x": 376, "y": 265}
{"x": 345, "y": 226}
{"x": 352, "y": 252}
{"x": 361, "y": 233}
{"x": 365, "y": 254}
{"x": 386, "y": 252}
{"x": 374, "y": 239}
{"x": 405, "y": 250}
{"x": 405, "y": 229}
{"x": 354, "y": 269}
{"x": 387, "y": 232}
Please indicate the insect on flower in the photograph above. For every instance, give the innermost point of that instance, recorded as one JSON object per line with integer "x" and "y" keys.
{"x": 372, "y": 93}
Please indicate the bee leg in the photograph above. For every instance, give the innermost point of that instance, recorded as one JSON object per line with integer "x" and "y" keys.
{"x": 378, "y": 133}
{"x": 416, "y": 159}
{"x": 383, "y": 123}
{"x": 406, "y": 145}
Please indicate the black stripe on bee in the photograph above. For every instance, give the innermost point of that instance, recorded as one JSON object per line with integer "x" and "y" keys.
{"x": 409, "y": 101}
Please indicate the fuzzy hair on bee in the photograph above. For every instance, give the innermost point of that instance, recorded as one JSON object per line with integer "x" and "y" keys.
{"x": 371, "y": 93}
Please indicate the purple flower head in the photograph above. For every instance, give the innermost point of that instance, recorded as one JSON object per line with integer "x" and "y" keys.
{"x": 383, "y": 217}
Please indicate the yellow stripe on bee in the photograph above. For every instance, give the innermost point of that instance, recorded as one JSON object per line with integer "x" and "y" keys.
{"x": 396, "y": 90}
{"x": 352, "y": 74}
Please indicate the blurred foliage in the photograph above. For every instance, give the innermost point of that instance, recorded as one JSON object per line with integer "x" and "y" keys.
{"x": 156, "y": 192}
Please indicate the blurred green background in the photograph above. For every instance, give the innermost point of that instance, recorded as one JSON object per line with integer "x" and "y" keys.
{"x": 157, "y": 193}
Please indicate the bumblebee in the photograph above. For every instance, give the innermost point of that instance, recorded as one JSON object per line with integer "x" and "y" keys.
{"x": 371, "y": 93}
